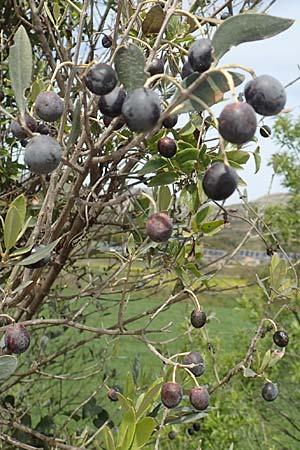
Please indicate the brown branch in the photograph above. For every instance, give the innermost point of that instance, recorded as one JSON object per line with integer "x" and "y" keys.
{"x": 38, "y": 26}
{"x": 49, "y": 440}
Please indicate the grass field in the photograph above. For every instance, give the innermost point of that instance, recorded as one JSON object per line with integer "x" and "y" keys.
{"x": 231, "y": 325}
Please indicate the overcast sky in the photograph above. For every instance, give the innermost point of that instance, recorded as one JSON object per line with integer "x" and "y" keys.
{"x": 277, "y": 56}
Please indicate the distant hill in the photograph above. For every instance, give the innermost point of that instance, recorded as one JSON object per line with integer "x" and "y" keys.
{"x": 237, "y": 228}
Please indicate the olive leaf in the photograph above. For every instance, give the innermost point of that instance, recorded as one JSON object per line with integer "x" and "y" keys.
{"x": 153, "y": 20}
{"x": 20, "y": 67}
{"x": 246, "y": 28}
{"x": 130, "y": 67}
{"x": 8, "y": 365}
{"x": 211, "y": 91}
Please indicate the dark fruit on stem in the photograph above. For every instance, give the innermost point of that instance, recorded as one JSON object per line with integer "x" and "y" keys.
{"x": 16, "y": 339}
{"x": 49, "y": 106}
{"x": 42, "y": 154}
{"x": 186, "y": 70}
{"x": 159, "y": 227}
{"x": 167, "y": 147}
{"x": 141, "y": 109}
{"x": 281, "y": 338}
{"x": 170, "y": 121}
{"x": 171, "y": 394}
{"x": 199, "y": 398}
{"x": 219, "y": 181}
{"x": 198, "y": 318}
{"x": 195, "y": 358}
{"x": 101, "y": 79}
{"x": 172, "y": 435}
{"x": 269, "y": 391}
{"x": 19, "y": 132}
{"x": 1, "y": 96}
{"x": 196, "y": 426}
{"x": 156, "y": 67}
{"x": 106, "y": 41}
{"x": 43, "y": 129}
{"x": 237, "y": 123}
{"x": 111, "y": 104}
{"x": 266, "y": 95}
{"x": 42, "y": 262}
{"x": 265, "y": 131}
{"x": 200, "y": 55}
{"x": 112, "y": 394}
{"x": 191, "y": 431}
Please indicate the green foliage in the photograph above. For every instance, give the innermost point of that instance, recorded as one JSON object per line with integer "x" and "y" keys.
{"x": 246, "y": 28}
{"x": 20, "y": 67}
{"x": 130, "y": 66}
{"x": 153, "y": 20}
{"x": 8, "y": 365}
{"x": 211, "y": 90}
{"x": 285, "y": 218}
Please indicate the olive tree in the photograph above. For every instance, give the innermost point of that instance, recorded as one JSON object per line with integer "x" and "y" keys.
{"x": 114, "y": 166}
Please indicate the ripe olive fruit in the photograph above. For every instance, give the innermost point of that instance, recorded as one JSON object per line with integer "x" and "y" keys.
{"x": 219, "y": 181}
{"x": 171, "y": 394}
{"x": 16, "y": 338}
{"x": 281, "y": 338}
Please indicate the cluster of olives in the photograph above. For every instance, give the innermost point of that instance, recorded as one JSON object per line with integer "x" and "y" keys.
{"x": 42, "y": 152}
{"x": 270, "y": 390}
{"x": 140, "y": 110}
{"x": 172, "y": 392}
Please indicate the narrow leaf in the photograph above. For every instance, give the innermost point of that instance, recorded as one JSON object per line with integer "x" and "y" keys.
{"x": 127, "y": 429}
{"x": 246, "y": 28}
{"x": 125, "y": 403}
{"x": 153, "y": 165}
{"x": 20, "y": 251}
{"x": 213, "y": 227}
{"x": 266, "y": 361}
{"x": 40, "y": 254}
{"x": 12, "y": 227}
{"x": 20, "y": 67}
{"x": 131, "y": 244}
{"x": 199, "y": 217}
{"x": 108, "y": 438}
{"x": 149, "y": 397}
{"x": 186, "y": 418}
{"x": 277, "y": 271}
{"x": 129, "y": 386}
{"x": 153, "y": 20}
{"x": 164, "y": 198}
{"x": 143, "y": 432}
{"x": 20, "y": 203}
{"x": 24, "y": 228}
{"x": 238, "y": 156}
{"x": 130, "y": 67}
{"x": 162, "y": 179}
{"x": 187, "y": 154}
{"x": 257, "y": 159}
{"x": 211, "y": 91}
{"x": 8, "y": 365}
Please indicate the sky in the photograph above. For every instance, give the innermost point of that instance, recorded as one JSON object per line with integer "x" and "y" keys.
{"x": 277, "y": 56}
